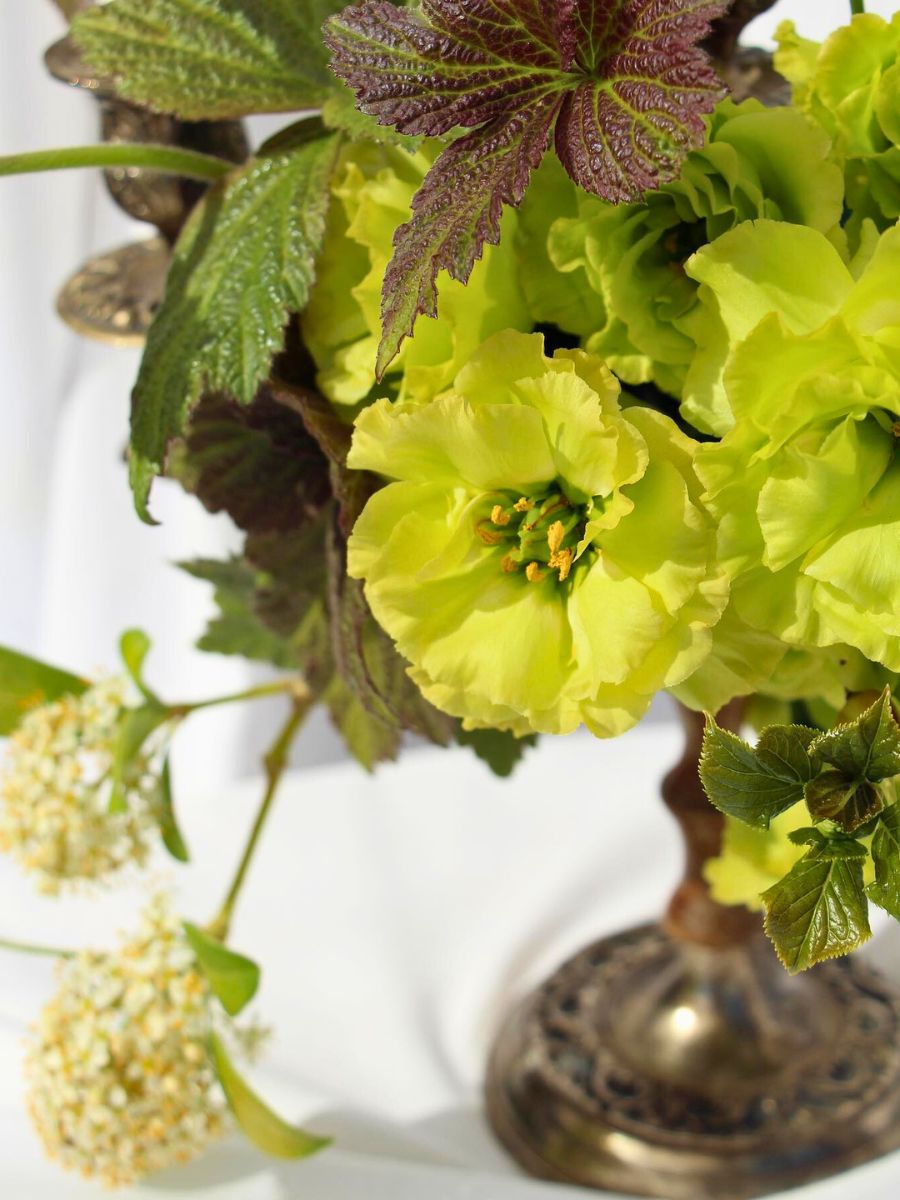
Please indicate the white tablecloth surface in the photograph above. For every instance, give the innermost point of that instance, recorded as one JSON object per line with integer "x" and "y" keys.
{"x": 396, "y": 919}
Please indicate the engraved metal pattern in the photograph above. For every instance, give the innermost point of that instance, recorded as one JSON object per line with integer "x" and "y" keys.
{"x": 640, "y": 1067}
{"x": 114, "y": 297}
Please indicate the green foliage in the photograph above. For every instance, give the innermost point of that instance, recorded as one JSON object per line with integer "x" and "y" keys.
{"x": 26, "y": 683}
{"x": 233, "y": 978}
{"x": 819, "y": 911}
{"x": 500, "y": 750}
{"x": 205, "y": 59}
{"x": 262, "y": 1126}
{"x": 758, "y": 784}
{"x": 885, "y": 891}
{"x": 135, "y": 727}
{"x": 339, "y": 112}
{"x": 169, "y": 830}
{"x": 237, "y": 629}
{"x": 244, "y": 262}
{"x": 846, "y": 780}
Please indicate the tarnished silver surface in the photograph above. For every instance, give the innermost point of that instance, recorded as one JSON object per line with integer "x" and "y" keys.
{"x": 651, "y": 1066}
{"x": 114, "y": 297}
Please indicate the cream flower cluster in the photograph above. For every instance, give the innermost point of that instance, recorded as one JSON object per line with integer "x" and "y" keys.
{"x": 55, "y": 789}
{"x": 121, "y": 1082}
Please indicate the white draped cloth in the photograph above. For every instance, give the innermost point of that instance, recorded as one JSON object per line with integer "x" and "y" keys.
{"x": 396, "y": 919}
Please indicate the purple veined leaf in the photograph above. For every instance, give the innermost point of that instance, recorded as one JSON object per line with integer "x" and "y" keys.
{"x": 456, "y": 211}
{"x": 621, "y": 84}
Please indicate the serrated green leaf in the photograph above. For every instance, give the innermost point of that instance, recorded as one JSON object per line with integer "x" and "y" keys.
{"x": 501, "y": 751}
{"x": 849, "y": 803}
{"x": 26, "y": 683}
{"x": 368, "y": 738}
{"x": 339, "y": 112}
{"x": 236, "y": 629}
{"x": 244, "y": 262}
{"x": 755, "y": 785}
{"x": 867, "y": 748}
{"x": 209, "y": 59}
{"x": 819, "y": 910}
{"x": 233, "y": 978}
{"x": 262, "y": 1126}
{"x": 885, "y": 891}
{"x": 168, "y": 822}
{"x": 136, "y": 725}
{"x": 257, "y": 462}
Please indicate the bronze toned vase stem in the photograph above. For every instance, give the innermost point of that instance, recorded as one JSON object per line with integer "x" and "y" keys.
{"x": 680, "y": 1060}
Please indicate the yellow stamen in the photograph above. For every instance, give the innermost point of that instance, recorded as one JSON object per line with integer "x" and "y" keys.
{"x": 509, "y": 564}
{"x": 561, "y": 560}
{"x": 534, "y": 574}
{"x": 522, "y": 504}
{"x": 555, "y": 535}
{"x": 499, "y": 517}
{"x": 489, "y": 536}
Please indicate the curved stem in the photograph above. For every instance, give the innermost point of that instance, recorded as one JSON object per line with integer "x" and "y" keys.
{"x": 275, "y": 763}
{"x": 170, "y": 160}
{"x": 276, "y": 688}
{"x": 28, "y": 948}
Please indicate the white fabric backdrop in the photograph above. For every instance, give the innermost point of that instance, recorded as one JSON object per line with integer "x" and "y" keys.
{"x": 396, "y": 920}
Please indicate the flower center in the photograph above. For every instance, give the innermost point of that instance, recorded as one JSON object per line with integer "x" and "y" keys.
{"x": 539, "y": 534}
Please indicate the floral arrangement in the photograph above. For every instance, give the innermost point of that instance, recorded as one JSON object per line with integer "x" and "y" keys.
{"x": 518, "y": 437}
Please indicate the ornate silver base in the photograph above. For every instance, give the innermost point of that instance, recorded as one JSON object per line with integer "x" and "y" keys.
{"x": 655, "y": 1067}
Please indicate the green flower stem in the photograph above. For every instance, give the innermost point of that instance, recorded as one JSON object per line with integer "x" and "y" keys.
{"x": 171, "y": 160}
{"x": 857, "y": 6}
{"x": 28, "y": 948}
{"x": 275, "y": 763}
{"x": 276, "y": 688}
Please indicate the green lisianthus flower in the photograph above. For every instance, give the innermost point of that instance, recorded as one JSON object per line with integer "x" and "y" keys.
{"x": 372, "y": 190}
{"x": 541, "y": 556}
{"x": 757, "y": 162}
{"x": 850, "y": 84}
{"x": 806, "y": 485}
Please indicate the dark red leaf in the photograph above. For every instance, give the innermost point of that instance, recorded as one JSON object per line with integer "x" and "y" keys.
{"x": 624, "y": 81}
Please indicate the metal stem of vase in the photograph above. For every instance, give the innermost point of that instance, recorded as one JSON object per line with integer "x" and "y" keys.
{"x": 679, "y": 1059}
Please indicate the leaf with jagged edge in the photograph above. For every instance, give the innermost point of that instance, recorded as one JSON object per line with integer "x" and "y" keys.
{"x": 244, "y": 262}
{"x": 256, "y": 462}
{"x": 885, "y": 891}
{"x": 210, "y": 59}
{"x": 498, "y": 749}
{"x": 867, "y": 748}
{"x": 621, "y": 84}
{"x": 819, "y": 910}
{"x": 755, "y": 784}
{"x": 339, "y": 112}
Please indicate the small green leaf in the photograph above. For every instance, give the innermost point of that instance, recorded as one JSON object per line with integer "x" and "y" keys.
{"x": 867, "y": 748}
{"x": 135, "y": 727}
{"x": 819, "y": 910}
{"x": 849, "y": 803}
{"x": 885, "y": 891}
{"x": 26, "y": 683}
{"x": 205, "y": 59}
{"x": 755, "y": 785}
{"x": 134, "y": 646}
{"x": 168, "y": 822}
{"x": 232, "y": 977}
{"x": 262, "y": 1126}
{"x": 500, "y": 750}
{"x": 244, "y": 262}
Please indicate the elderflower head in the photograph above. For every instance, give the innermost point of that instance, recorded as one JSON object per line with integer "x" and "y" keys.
{"x": 55, "y": 787}
{"x": 541, "y": 557}
{"x": 121, "y": 1083}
